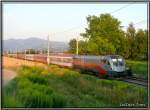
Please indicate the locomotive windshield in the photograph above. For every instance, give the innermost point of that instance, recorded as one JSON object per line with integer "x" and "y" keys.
{"x": 117, "y": 61}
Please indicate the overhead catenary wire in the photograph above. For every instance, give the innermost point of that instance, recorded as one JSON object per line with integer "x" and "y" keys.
{"x": 122, "y": 8}
{"x": 68, "y": 30}
{"x": 117, "y": 10}
{"x": 81, "y": 26}
{"x": 141, "y": 21}
{"x": 137, "y": 23}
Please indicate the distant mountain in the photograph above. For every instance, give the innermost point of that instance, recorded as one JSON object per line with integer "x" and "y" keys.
{"x": 34, "y": 43}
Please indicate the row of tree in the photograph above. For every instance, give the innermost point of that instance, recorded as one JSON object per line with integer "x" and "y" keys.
{"x": 104, "y": 35}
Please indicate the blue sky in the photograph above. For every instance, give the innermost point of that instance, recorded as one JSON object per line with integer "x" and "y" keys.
{"x": 39, "y": 20}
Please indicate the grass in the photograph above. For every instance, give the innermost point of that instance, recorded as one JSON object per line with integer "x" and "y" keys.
{"x": 139, "y": 68}
{"x": 59, "y": 87}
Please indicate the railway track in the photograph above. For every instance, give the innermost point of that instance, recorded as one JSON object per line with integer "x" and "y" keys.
{"x": 133, "y": 80}
{"x": 136, "y": 81}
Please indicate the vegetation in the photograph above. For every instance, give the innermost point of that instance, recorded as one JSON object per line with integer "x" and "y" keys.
{"x": 139, "y": 68}
{"x": 59, "y": 87}
{"x": 104, "y": 35}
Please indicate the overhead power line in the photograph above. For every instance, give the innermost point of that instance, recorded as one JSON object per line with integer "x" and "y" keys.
{"x": 140, "y": 22}
{"x": 122, "y": 8}
{"x": 77, "y": 27}
{"x": 73, "y": 28}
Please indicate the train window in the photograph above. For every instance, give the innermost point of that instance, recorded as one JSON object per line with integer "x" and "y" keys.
{"x": 118, "y": 62}
{"x": 120, "y": 59}
{"x": 115, "y": 62}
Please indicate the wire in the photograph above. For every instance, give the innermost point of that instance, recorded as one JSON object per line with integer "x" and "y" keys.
{"x": 82, "y": 26}
{"x": 122, "y": 8}
{"x": 77, "y": 27}
{"x": 140, "y": 22}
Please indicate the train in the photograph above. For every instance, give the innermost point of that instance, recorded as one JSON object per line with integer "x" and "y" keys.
{"x": 103, "y": 66}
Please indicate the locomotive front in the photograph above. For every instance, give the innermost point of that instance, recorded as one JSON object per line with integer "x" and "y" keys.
{"x": 118, "y": 66}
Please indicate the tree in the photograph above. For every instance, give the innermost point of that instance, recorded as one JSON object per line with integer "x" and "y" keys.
{"x": 107, "y": 27}
{"x": 100, "y": 46}
{"x": 72, "y": 46}
{"x": 103, "y": 26}
{"x": 137, "y": 43}
{"x": 105, "y": 36}
{"x": 81, "y": 44}
{"x": 141, "y": 45}
{"x": 83, "y": 47}
{"x": 130, "y": 35}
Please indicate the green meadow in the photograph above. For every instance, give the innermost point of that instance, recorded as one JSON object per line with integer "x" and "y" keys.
{"x": 59, "y": 87}
{"x": 138, "y": 68}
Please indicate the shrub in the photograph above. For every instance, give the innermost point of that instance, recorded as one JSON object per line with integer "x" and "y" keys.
{"x": 10, "y": 101}
{"x": 34, "y": 98}
{"x": 10, "y": 87}
{"x": 33, "y": 89}
{"x": 58, "y": 100}
{"x": 35, "y": 78}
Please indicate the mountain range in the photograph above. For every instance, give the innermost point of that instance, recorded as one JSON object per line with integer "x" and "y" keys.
{"x": 13, "y": 45}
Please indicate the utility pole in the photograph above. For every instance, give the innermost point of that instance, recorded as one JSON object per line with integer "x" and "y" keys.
{"x": 77, "y": 46}
{"x": 16, "y": 52}
{"x": 48, "y": 60}
{"x": 29, "y": 51}
{"x": 25, "y": 56}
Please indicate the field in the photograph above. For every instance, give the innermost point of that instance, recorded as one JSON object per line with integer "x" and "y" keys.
{"x": 139, "y": 68}
{"x": 59, "y": 87}
{"x": 39, "y": 85}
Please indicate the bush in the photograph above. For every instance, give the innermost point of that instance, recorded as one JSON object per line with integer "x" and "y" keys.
{"x": 58, "y": 100}
{"x": 10, "y": 102}
{"x": 34, "y": 98}
{"x": 138, "y": 68}
{"x": 38, "y": 79}
{"x": 32, "y": 88}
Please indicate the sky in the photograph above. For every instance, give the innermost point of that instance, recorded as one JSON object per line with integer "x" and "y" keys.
{"x": 64, "y": 21}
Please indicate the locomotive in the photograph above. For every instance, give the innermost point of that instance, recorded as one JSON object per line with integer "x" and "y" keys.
{"x": 107, "y": 66}
{"x": 102, "y": 66}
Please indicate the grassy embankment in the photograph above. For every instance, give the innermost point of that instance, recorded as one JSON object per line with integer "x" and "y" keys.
{"x": 139, "y": 68}
{"x": 59, "y": 87}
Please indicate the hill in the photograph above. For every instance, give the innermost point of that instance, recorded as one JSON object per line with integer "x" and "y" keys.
{"x": 34, "y": 43}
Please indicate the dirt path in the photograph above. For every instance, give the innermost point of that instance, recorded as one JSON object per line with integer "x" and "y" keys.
{"x": 8, "y": 75}
{"x": 15, "y": 63}
{"x": 10, "y": 65}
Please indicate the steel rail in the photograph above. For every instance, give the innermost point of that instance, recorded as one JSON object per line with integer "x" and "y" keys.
{"x": 136, "y": 81}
